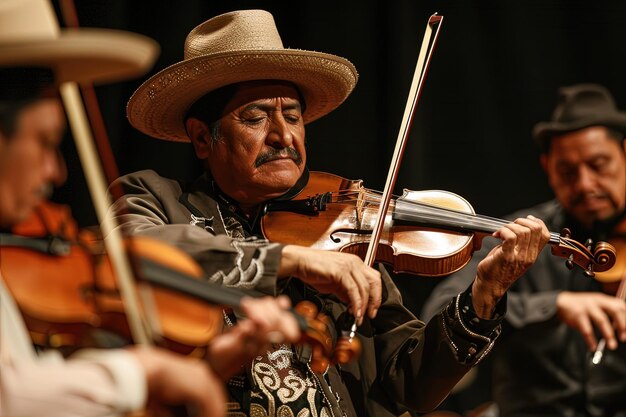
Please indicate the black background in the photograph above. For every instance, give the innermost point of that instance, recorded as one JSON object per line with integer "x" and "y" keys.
{"x": 494, "y": 74}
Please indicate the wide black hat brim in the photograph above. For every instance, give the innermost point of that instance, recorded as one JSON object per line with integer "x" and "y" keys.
{"x": 543, "y": 131}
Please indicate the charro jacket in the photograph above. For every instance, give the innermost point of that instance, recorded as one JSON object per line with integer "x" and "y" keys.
{"x": 404, "y": 364}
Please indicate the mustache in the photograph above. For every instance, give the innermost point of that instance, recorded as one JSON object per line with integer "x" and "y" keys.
{"x": 282, "y": 153}
{"x": 580, "y": 197}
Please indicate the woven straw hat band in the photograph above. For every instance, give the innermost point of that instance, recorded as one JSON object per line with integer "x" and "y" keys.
{"x": 243, "y": 30}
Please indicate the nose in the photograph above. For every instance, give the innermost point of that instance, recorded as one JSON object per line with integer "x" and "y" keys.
{"x": 586, "y": 179}
{"x": 279, "y": 135}
{"x": 55, "y": 168}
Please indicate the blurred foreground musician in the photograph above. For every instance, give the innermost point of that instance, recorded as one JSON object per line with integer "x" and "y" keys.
{"x": 35, "y": 56}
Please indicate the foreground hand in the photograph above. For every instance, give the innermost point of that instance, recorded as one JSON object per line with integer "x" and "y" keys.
{"x": 585, "y": 310}
{"x": 522, "y": 241}
{"x": 267, "y": 321}
{"x": 342, "y": 274}
{"x": 176, "y": 380}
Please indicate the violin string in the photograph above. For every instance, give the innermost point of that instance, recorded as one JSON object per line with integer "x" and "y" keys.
{"x": 428, "y": 212}
{"x": 438, "y": 215}
{"x": 433, "y": 213}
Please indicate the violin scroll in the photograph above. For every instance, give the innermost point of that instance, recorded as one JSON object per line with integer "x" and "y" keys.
{"x": 591, "y": 258}
{"x": 604, "y": 255}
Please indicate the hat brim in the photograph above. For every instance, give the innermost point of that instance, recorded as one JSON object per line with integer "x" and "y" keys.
{"x": 159, "y": 105}
{"x": 85, "y": 55}
{"x": 543, "y": 131}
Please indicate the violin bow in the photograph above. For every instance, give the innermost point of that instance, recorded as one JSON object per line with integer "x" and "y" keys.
{"x": 97, "y": 184}
{"x": 421, "y": 68}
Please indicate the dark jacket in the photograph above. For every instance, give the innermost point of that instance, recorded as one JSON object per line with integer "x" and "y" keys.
{"x": 540, "y": 365}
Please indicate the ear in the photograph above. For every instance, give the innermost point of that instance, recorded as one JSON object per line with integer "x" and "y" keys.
{"x": 200, "y": 137}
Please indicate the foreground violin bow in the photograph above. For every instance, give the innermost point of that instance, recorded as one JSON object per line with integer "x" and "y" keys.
{"x": 423, "y": 61}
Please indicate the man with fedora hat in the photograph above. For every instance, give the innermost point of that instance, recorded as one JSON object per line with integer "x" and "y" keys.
{"x": 35, "y": 58}
{"x": 544, "y": 364}
{"x": 242, "y": 100}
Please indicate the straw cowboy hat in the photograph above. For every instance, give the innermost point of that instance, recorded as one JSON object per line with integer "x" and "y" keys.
{"x": 581, "y": 106}
{"x": 30, "y": 36}
{"x": 231, "y": 48}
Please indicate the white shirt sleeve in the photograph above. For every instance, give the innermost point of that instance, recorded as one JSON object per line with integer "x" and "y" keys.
{"x": 98, "y": 383}
{"x": 91, "y": 383}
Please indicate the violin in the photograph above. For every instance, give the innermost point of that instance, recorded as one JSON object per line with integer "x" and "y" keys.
{"x": 429, "y": 233}
{"x": 78, "y": 290}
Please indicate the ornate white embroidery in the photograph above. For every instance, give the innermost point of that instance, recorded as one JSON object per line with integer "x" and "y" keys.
{"x": 205, "y": 223}
{"x": 281, "y": 358}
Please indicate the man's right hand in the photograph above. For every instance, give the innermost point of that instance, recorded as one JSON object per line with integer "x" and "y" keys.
{"x": 342, "y": 274}
{"x": 267, "y": 321}
{"x": 177, "y": 380}
{"x": 585, "y": 310}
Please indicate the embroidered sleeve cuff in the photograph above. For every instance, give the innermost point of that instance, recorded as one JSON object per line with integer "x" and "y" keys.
{"x": 475, "y": 323}
{"x": 470, "y": 337}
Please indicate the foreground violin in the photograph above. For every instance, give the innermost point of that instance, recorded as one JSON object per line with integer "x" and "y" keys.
{"x": 65, "y": 286}
{"x": 430, "y": 233}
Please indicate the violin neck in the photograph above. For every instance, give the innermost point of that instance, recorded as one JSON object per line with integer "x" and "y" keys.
{"x": 441, "y": 218}
{"x": 168, "y": 278}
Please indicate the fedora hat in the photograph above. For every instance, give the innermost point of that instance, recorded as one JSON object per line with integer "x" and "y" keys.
{"x": 30, "y": 37}
{"x": 231, "y": 48}
{"x": 580, "y": 106}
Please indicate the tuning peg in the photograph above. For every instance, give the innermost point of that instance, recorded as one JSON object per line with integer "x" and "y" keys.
{"x": 589, "y": 271}
{"x": 566, "y": 233}
{"x": 589, "y": 244}
{"x": 570, "y": 262}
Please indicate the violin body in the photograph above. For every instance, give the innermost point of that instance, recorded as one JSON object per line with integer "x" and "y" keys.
{"x": 344, "y": 226}
{"x": 47, "y": 287}
{"x": 64, "y": 296}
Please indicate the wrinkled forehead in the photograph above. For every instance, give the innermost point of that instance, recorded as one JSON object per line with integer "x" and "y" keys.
{"x": 253, "y": 91}
{"x": 216, "y": 104}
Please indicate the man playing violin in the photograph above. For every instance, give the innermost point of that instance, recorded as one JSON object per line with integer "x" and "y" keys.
{"x": 556, "y": 316}
{"x": 242, "y": 100}
{"x": 34, "y": 58}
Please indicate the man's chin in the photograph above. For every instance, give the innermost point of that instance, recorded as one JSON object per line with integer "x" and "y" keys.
{"x": 592, "y": 217}
{"x": 285, "y": 173}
